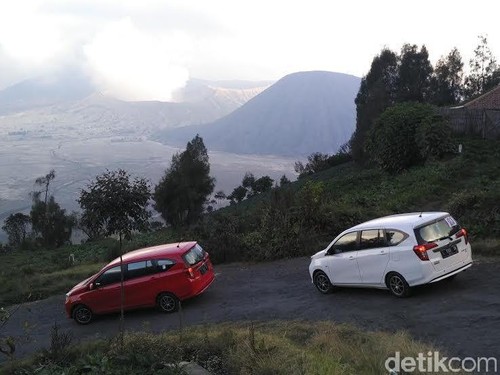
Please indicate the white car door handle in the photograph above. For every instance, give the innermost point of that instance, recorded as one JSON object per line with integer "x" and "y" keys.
{"x": 382, "y": 252}
{"x": 351, "y": 257}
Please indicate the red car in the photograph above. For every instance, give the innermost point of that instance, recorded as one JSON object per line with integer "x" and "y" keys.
{"x": 156, "y": 276}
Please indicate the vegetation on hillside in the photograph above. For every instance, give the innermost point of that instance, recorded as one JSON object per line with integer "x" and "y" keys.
{"x": 302, "y": 217}
{"x": 409, "y": 77}
{"x": 260, "y": 348}
{"x": 408, "y": 134}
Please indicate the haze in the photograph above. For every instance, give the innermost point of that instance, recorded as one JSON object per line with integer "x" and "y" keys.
{"x": 144, "y": 50}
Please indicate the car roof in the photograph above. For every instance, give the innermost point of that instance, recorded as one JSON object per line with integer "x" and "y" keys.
{"x": 154, "y": 252}
{"x": 407, "y": 221}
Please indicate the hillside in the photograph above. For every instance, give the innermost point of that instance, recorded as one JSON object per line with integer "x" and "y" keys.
{"x": 301, "y": 113}
{"x": 60, "y": 87}
{"x": 70, "y": 98}
{"x": 304, "y": 216}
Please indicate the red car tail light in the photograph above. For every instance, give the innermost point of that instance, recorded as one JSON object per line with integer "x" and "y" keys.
{"x": 463, "y": 233}
{"x": 190, "y": 272}
{"x": 421, "y": 250}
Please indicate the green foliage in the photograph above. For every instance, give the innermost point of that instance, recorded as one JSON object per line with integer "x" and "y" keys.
{"x": 478, "y": 209}
{"x": 433, "y": 137}
{"x": 406, "y": 135}
{"x": 115, "y": 204}
{"x": 317, "y": 162}
{"x": 409, "y": 76}
{"x": 376, "y": 93}
{"x": 414, "y": 75}
{"x": 482, "y": 69}
{"x": 446, "y": 82}
{"x": 182, "y": 192}
{"x": 248, "y": 181}
{"x": 16, "y": 227}
{"x": 50, "y": 223}
{"x": 239, "y": 193}
{"x": 44, "y": 183}
{"x": 262, "y": 185}
{"x": 284, "y": 180}
{"x": 266, "y": 348}
{"x": 250, "y": 187}
{"x": 304, "y": 216}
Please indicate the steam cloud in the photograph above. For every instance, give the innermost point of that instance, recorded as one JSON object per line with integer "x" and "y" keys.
{"x": 129, "y": 64}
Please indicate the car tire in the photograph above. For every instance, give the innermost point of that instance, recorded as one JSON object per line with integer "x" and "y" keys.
{"x": 167, "y": 303}
{"x": 82, "y": 314}
{"x": 322, "y": 282}
{"x": 397, "y": 285}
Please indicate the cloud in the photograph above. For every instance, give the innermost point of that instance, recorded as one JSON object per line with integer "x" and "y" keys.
{"x": 130, "y": 64}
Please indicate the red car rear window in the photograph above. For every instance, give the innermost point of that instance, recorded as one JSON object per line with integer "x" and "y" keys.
{"x": 194, "y": 255}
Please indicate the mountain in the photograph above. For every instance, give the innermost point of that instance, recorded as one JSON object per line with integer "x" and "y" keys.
{"x": 222, "y": 97}
{"x": 68, "y": 97}
{"x": 60, "y": 87}
{"x": 300, "y": 114}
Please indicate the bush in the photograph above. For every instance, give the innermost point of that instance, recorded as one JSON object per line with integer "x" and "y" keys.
{"x": 406, "y": 135}
{"x": 433, "y": 138}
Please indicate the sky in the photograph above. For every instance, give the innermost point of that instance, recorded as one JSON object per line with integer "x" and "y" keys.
{"x": 145, "y": 49}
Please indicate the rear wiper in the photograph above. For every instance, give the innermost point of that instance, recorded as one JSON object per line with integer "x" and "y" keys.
{"x": 444, "y": 237}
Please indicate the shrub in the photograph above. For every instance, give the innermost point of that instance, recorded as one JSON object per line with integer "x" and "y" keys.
{"x": 406, "y": 135}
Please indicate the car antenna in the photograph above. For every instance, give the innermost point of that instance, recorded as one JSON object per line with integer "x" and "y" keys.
{"x": 182, "y": 239}
{"x": 420, "y": 214}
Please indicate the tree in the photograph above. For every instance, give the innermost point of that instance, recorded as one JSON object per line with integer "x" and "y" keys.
{"x": 262, "y": 184}
{"x": 44, "y": 182}
{"x": 220, "y": 195}
{"x": 239, "y": 193}
{"x": 315, "y": 162}
{"x": 49, "y": 221}
{"x": 493, "y": 81}
{"x": 255, "y": 186}
{"x": 16, "y": 226}
{"x": 414, "y": 74}
{"x": 248, "y": 181}
{"x": 91, "y": 226}
{"x": 446, "y": 82}
{"x": 482, "y": 68}
{"x": 376, "y": 93}
{"x": 284, "y": 180}
{"x": 182, "y": 192}
{"x": 116, "y": 203}
{"x": 119, "y": 206}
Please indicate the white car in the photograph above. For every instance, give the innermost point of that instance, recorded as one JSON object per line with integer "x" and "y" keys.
{"x": 394, "y": 252}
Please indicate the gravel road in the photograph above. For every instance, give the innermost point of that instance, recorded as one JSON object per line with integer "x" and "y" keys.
{"x": 460, "y": 316}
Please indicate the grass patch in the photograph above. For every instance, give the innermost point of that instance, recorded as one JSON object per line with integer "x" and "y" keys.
{"x": 36, "y": 274}
{"x": 264, "y": 348}
{"x": 37, "y": 285}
